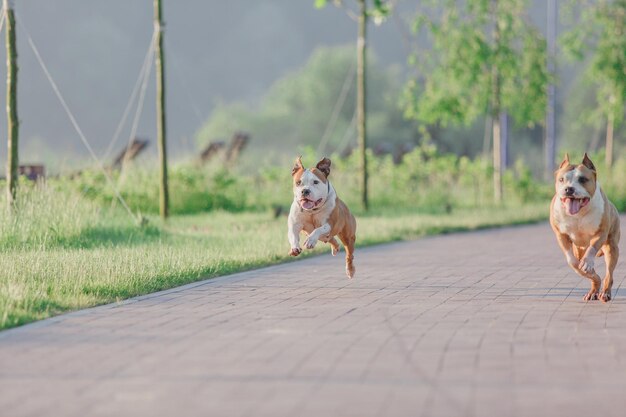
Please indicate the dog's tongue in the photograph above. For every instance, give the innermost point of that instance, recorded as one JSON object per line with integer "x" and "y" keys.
{"x": 572, "y": 205}
{"x": 307, "y": 204}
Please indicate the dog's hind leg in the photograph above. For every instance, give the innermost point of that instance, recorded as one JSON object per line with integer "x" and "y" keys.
{"x": 611, "y": 253}
{"x": 334, "y": 246}
{"x": 348, "y": 243}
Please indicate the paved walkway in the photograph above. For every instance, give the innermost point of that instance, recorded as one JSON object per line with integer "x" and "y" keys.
{"x": 478, "y": 324}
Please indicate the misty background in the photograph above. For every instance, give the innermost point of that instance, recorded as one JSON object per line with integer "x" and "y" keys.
{"x": 216, "y": 53}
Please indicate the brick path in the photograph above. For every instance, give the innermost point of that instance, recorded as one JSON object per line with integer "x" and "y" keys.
{"x": 478, "y": 324}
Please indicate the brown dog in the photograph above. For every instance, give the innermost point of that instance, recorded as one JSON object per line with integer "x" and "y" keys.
{"x": 586, "y": 224}
{"x": 318, "y": 211}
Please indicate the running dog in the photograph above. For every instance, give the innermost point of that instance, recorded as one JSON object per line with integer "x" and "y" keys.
{"x": 586, "y": 224}
{"x": 318, "y": 212}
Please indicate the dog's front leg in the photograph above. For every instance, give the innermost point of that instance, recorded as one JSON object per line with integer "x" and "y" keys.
{"x": 566, "y": 246}
{"x": 572, "y": 260}
{"x": 293, "y": 234}
{"x": 588, "y": 260}
{"x": 310, "y": 241}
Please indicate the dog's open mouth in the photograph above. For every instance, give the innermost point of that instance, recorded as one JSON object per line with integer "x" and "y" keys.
{"x": 307, "y": 204}
{"x": 573, "y": 204}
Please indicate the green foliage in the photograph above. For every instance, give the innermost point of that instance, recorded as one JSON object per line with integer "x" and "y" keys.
{"x": 600, "y": 34}
{"x": 430, "y": 182}
{"x": 193, "y": 189}
{"x": 426, "y": 180}
{"x": 297, "y": 108}
{"x": 455, "y": 84}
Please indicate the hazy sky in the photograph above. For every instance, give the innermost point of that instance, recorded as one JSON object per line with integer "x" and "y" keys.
{"x": 215, "y": 51}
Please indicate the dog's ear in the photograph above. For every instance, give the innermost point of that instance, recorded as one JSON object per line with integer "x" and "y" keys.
{"x": 565, "y": 161}
{"x": 324, "y": 166}
{"x": 587, "y": 162}
{"x": 297, "y": 166}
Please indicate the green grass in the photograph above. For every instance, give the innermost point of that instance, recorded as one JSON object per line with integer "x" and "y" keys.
{"x": 67, "y": 253}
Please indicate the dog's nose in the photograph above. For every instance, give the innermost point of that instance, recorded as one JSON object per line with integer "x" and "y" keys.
{"x": 306, "y": 192}
{"x": 569, "y": 191}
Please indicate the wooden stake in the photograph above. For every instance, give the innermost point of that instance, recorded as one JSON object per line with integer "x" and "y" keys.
{"x": 160, "y": 97}
{"x": 12, "y": 119}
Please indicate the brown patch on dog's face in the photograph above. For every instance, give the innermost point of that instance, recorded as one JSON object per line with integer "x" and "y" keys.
{"x": 575, "y": 184}
{"x": 319, "y": 174}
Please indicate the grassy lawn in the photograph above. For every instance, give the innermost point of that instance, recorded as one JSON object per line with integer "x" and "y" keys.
{"x": 75, "y": 256}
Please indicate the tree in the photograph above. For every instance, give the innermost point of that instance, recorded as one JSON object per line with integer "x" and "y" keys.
{"x": 484, "y": 59}
{"x": 378, "y": 11}
{"x": 601, "y": 33}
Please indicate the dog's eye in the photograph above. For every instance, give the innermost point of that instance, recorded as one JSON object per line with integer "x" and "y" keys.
{"x": 298, "y": 182}
{"x": 561, "y": 179}
{"x": 316, "y": 182}
{"x": 582, "y": 180}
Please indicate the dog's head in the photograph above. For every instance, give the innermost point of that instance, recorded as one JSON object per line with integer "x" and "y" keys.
{"x": 310, "y": 186}
{"x": 575, "y": 184}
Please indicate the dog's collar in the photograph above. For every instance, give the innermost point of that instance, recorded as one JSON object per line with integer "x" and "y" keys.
{"x": 320, "y": 206}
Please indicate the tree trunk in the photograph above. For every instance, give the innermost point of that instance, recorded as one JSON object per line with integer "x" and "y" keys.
{"x": 550, "y": 124}
{"x": 504, "y": 140}
{"x": 12, "y": 119}
{"x": 495, "y": 111}
{"x": 160, "y": 96}
{"x": 609, "y": 143}
{"x": 497, "y": 161}
{"x": 487, "y": 137}
{"x": 361, "y": 100}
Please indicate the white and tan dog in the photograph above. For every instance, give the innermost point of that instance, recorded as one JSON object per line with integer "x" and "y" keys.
{"x": 586, "y": 224}
{"x": 318, "y": 212}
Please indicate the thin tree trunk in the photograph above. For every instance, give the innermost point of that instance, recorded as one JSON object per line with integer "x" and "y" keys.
{"x": 161, "y": 126}
{"x": 497, "y": 161}
{"x": 550, "y": 124}
{"x": 495, "y": 112}
{"x": 487, "y": 136}
{"x": 609, "y": 143}
{"x": 504, "y": 140}
{"x": 361, "y": 100}
{"x": 12, "y": 119}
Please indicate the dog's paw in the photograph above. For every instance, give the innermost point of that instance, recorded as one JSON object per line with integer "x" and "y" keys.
{"x": 586, "y": 265}
{"x": 310, "y": 243}
{"x": 591, "y": 295}
{"x": 350, "y": 271}
{"x": 605, "y": 296}
{"x": 334, "y": 246}
{"x": 295, "y": 251}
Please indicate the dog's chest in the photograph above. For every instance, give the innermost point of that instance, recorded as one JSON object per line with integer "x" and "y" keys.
{"x": 581, "y": 229}
{"x": 311, "y": 221}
